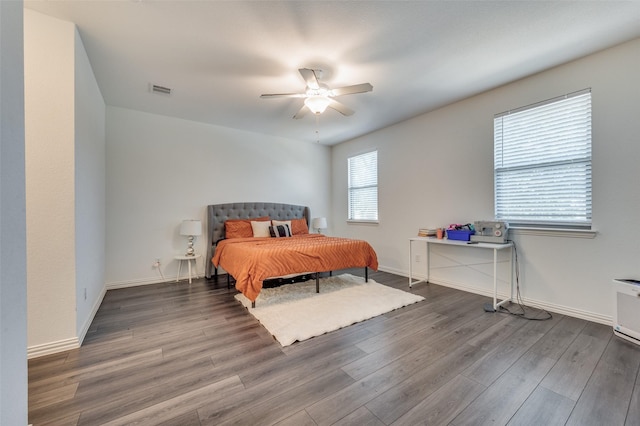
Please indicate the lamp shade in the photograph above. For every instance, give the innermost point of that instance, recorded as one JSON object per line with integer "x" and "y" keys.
{"x": 317, "y": 104}
{"x": 319, "y": 223}
{"x": 191, "y": 227}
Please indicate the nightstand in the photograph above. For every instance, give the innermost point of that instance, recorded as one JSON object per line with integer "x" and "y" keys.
{"x": 188, "y": 259}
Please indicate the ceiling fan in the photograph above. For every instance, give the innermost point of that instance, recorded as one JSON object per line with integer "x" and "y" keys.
{"x": 318, "y": 96}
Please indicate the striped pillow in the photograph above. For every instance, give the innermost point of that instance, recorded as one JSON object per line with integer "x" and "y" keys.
{"x": 278, "y": 231}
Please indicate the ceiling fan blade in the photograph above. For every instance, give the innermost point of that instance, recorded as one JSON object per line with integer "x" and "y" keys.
{"x": 301, "y": 112}
{"x": 310, "y": 78}
{"x": 341, "y": 108}
{"x": 348, "y": 90}
{"x": 283, "y": 95}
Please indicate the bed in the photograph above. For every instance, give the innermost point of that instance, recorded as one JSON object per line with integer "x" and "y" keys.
{"x": 251, "y": 260}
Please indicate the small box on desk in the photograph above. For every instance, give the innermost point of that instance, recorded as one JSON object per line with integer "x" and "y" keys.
{"x": 460, "y": 234}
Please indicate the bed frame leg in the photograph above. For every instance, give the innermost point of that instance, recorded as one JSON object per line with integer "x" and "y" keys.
{"x": 366, "y": 274}
{"x": 317, "y": 282}
{"x": 253, "y": 304}
{"x": 228, "y": 281}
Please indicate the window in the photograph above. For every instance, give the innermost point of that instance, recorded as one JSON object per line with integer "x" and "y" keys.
{"x": 363, "y": 187}
{"x": 542, "y": 163}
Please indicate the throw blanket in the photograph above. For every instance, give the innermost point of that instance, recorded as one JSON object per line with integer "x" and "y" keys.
{"x": 252, "y": 260}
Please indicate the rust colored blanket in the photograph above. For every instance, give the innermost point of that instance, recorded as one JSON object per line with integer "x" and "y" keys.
{"x": 252, "y": 260}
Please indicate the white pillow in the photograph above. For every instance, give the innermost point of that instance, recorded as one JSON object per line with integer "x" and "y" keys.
{"x": 281, "y": 222}
{"x": 260, "y": 229}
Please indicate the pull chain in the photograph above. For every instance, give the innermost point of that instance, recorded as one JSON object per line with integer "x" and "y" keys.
{"x": 317, "y": 128}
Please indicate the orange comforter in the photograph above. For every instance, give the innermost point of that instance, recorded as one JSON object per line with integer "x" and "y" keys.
{"x": 252, "y": 260}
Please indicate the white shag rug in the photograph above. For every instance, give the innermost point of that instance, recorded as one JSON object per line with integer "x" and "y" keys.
{"x": 295, "y": 312}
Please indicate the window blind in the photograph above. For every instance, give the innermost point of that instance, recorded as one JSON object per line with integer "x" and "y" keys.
{"x": 542, "y": 163}
{"x": 363, "y": 186}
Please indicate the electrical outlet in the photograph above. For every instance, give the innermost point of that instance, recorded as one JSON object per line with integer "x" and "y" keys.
{"x": 418, "y": 258}
{"x": 85, "y": 293}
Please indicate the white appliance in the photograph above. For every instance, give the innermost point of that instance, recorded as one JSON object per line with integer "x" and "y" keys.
{"x": 626, "y": 309}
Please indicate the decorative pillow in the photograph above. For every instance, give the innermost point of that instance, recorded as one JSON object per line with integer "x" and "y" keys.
{"x": 260, "y": 229}
{"x": 299, "y": 226}
{"x": 278, "y": 231}
{"x": 281, "y": 222}
{"x": 241, "y": 228}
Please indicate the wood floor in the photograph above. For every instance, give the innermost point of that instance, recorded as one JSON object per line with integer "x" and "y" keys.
{"x": 180, "y": 354}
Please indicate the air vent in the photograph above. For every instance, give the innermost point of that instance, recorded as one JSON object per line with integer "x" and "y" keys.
{"x": 160, "y": 89}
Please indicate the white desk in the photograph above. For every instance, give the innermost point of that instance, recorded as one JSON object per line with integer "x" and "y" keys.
{"x": 495, "y": 247}
{"x": 181, "y": 258}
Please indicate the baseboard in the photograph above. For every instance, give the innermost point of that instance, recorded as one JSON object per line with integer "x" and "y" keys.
{"x": 569, "y": 311}
{"x": 52, "y": 347}
{"x": 67, "y": 344}
{"x": 402, "y": 273}
{"x": 75, "y": 342}
{"x": 560, "y": 309}
{"x": 85, "y": 328}
{"x": 136, "y": 283}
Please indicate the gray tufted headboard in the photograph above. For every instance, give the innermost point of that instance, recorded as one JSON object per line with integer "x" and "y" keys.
{"x": 218, "y": 213}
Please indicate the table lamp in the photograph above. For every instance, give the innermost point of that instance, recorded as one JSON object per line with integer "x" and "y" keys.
{"x": 319, "y": 223}
{"x": 191, "y": 229}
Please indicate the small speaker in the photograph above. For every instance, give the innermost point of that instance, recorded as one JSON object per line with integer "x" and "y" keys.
{"x": 626, "y": 311}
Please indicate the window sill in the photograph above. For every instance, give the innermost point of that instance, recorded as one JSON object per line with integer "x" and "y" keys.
{"x": 362, "y": 222}
{"x": 554, "y": 232}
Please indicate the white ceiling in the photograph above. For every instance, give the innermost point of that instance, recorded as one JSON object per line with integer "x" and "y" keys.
{"x": 218, "y": 57}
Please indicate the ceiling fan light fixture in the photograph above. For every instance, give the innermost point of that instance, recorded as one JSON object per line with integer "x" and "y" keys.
{"x": 317, "y": 104}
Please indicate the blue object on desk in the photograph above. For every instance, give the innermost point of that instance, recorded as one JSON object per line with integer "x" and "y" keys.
{"x": 460, "y": 234}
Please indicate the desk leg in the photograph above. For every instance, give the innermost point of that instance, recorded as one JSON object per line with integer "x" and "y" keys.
{"x": 428, "y": 261}
{"x": 410, "y": 264}
{"x": 411, "y": 279}
{"x": 495, "y": 279}
{"x": 179, "y": 267}
{"x": 511, "y": 271}
{"x": 497, "y": 304}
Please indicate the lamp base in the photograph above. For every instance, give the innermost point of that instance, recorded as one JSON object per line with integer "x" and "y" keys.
{"x": 190, "y": 250}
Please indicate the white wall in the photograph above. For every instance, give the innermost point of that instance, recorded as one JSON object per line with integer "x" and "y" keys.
{"x": 437, "y": 169}
{"x": 65, "y": 185}
{"x": 90, "y": 190}
{"x": 162, "y": 170}
{"x": 13, "y": 269}
{"x": 49, "y": 140}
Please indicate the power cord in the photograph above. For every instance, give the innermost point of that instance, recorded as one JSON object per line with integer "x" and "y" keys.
{"x": 523, "y": 308}
{"x": 156, "y": 264}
